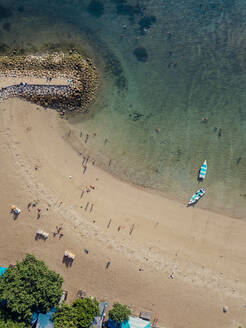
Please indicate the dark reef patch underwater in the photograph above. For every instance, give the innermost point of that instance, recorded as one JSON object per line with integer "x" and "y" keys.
{"x": 7, "y": 26}
{"x": 5, "y": 12}
{"x": 146, "y": 22}
{"x": 141, "y": 54}
{"x": 126, "y": 8}
{"x": 96, "y": 8}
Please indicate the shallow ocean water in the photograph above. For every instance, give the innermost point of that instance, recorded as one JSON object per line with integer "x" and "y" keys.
{"x": 166, "y": 65}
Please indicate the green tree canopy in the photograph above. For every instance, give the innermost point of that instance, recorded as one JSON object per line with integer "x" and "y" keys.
{"x": 79, "y": 315}
{"x": 65, "y": 317}
{"x": 87, "y": 310}
{"x": 119, "y": 313}
{"x": 11, "y": 324}
{"x": 6, "y": 320}
{"x": 29, "y": 286}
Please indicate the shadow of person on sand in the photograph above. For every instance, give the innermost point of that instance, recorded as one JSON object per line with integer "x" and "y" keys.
{"x": 68, "y": 261}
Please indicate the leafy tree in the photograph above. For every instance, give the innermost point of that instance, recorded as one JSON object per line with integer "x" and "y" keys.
{"x": 12, "y": 324}
{"x": 79, "y": 315}
{"x": 29, "y": 286}
{"x": 7, "y": 322}
{"x": 65, "y": 317}
{"x": 119, "y": 313}
{"x": 87, "y": 310}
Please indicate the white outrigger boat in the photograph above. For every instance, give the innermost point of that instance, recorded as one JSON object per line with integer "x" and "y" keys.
{"x": 203, "y": 170}
{"x": 195, "y": 198}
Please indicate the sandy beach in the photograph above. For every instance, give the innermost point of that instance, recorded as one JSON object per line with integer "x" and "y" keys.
{"x": 146, "y": 237}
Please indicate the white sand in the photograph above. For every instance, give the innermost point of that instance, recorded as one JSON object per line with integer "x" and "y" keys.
{"x": 206, "y": 251}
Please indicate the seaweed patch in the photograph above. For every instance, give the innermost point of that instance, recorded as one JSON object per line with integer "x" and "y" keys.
{"x": 5, "y": 12}
{"x": 7, "y": 27}
{"x": 146, "y": 22}
{"x": 141, "y": 54}
{"x": 127, "y": 9}
{"x": 95, "y": 8}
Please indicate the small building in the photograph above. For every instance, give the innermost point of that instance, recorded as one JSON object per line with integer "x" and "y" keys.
{"x": 81, "y": 294}
{"x": 98, "y": 321}
{"x": 63, "y": 297}
{"x": 145, "y": 315}
{"x": 132, "y": 322}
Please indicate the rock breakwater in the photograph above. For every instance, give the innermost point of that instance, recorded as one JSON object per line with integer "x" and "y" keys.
{"x": 79, "y": 72}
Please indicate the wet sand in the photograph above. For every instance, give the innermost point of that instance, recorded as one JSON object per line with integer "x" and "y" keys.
{"x": 146, "y": 237}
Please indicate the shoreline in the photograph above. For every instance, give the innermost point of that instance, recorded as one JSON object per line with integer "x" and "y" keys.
{"x": 183, "y": 265}
{"x": 165, "y": 237}
{"x": 61, "y": 79}
{"x": 169, "y": 196}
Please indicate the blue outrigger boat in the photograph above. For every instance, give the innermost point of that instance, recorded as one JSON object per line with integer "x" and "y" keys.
{"x": 203, "y": 170}
{"x": 195, "y": 198}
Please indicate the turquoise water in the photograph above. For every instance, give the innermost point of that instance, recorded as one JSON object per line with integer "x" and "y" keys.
{"x": 166, "y": 65}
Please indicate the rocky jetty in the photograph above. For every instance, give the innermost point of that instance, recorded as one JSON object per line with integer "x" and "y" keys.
{"x": 76, "y": 96}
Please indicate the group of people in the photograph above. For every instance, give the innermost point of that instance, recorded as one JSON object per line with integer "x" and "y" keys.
{"x": 68, "y": 258}
{"x": 41, "y": 234}
{"x": 58, "y": 232}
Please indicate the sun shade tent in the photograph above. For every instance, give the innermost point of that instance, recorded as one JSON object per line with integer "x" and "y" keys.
{"x": 44, "y": 320}
{"x": 69, "y": 255}
{"x": 133, "y": 322}
{"x": 2, "y": 270}
{"x": 15, "y": 210}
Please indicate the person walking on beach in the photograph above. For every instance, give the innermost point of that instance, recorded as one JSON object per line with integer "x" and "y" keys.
{"x": 39, "y": 213}
{"x": 108, "y": 264}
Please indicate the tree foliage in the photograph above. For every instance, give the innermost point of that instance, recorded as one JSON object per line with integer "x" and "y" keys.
{"x": 65, "y": 317}
{"x": 29, "y": 286}
{"x": 6, "y": 320}
{"x": 87, "y": 310}
{"x": 12, "y": 324}
{"x": 79, "y": 315}
{"x": 119, "y": 313}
